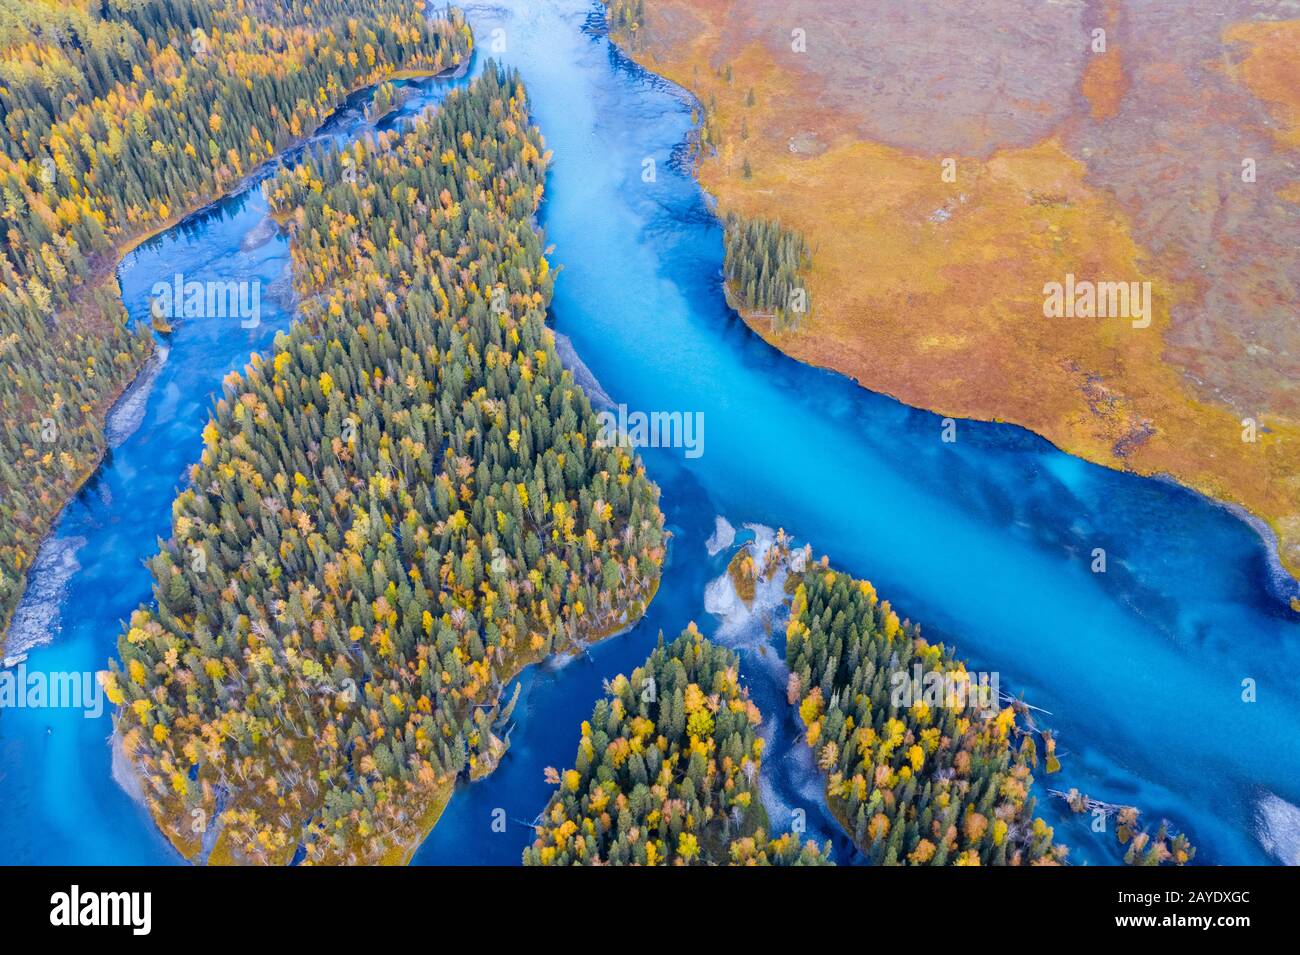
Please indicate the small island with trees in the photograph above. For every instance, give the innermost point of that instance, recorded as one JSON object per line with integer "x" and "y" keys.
{"x": 395, "y": 511}
{"x": 666, "y": 772}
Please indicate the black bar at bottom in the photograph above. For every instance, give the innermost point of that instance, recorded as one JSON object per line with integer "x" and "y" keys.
{"x": 333, "y": 906}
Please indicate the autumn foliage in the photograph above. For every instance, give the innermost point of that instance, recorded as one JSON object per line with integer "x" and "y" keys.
{"x": 667, "y": 772}
{"x": 117, "y": 119}
{"x": 917, "y": 785}
{"x": 394, "y": 512}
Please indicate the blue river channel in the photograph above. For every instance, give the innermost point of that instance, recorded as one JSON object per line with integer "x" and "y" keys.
{"x": 986, "y": 541}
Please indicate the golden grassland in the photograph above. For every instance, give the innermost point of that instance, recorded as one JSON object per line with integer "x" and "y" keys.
{"x": 1271, "y": 70}
{"x": 1104, "y": 80}
{"x": 932, "y": 291}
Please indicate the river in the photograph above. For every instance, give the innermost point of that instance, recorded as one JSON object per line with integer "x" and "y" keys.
{"x": 986, "y": 541}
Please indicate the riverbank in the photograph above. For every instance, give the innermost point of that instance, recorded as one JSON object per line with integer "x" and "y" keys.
{"x": 210, "y": 846}
{"x": 314, "y": 784}
{"x": 45, "y": 528}
{"x": 104, "y": 277}
{"x": 926, "y": 289}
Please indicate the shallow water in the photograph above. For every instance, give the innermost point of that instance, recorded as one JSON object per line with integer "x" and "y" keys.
{"x": 986, "y": 541}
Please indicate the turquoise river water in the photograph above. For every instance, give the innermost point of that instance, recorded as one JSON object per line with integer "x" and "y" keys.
{"x": 986, "y": 541}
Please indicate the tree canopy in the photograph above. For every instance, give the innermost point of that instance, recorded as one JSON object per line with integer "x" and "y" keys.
{"x": 118, "y": 118}
{"x": 666, "y": 772}
{"x": 762, "y": 263}
{"x": 915, "y": 784}
{"x": 394, "y": 512}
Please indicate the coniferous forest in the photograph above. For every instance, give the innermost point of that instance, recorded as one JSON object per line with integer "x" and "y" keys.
{"x": 401, "y": 538}
{"x": 395, "y": 512}
{"x": 625, "y": 18}
{"x": 118, "y": 118}
{"x": 667, "y": 772}
{"x": 923, "y": 784}
{"x": 762, "y": 265}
